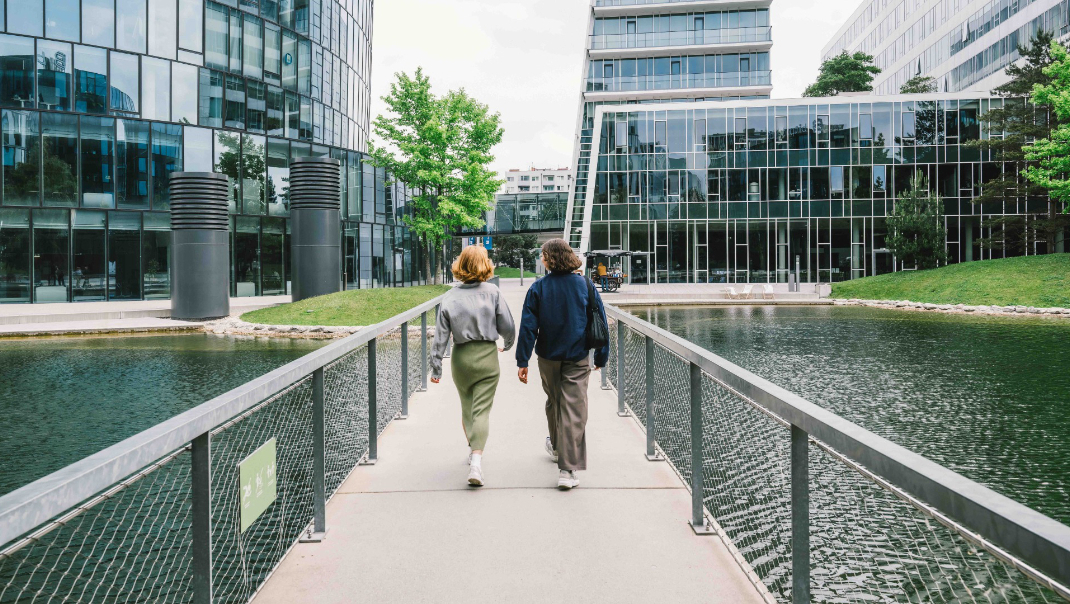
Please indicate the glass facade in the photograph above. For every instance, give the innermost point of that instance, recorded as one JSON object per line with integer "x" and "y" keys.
{"x": 742, "y": 191}
{"x": 101, "y": 100}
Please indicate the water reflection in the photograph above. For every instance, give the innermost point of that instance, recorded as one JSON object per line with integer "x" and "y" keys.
{"x": 986, "y": 396}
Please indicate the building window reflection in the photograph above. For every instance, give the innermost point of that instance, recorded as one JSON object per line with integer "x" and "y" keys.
{"x": 51, "y": 255}
{"x": 14, "y": 255}
{"x": 16, "y": 72}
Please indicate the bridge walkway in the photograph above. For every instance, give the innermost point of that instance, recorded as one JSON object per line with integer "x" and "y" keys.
{"x": 409, "y": 529}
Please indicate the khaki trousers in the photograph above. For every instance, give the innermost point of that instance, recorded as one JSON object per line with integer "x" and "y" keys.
{"x": 565, "y": 384}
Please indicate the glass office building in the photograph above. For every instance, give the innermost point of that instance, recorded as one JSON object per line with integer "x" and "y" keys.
{"x": 102, "y": 99}
{"x": 740, "y": 191}
{"x": 656, "y": 51}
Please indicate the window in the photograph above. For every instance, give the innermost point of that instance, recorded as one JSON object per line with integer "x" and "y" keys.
{"x": 235, "y": 39}
{"x": 836, "y": 181}
{"x": 256, "y": 106}
{"x": 865, "y": 126}
{"x": 130, "y": 20}
{"x": 97, "y": 142}
{"x": 304, "y": 66}
{"x": 132, "y": 164}
{"x": 197, "y": 149}
{"x": 62, "y": 19}
{"x": 908, "y": 125}
{"x": 54, "y": 75}
{"x": 216, "y": 43}
{"x": 275, "y": 112}
{"x": 166, "y": 158}
{"x": 234, "y": 103}
{"x": 90, "y": 79}
{"x": 823, "y": 128}
{"x": 253, "y": 163}
{"x": 163, "y": 29}
{"x": 98, "y": 22}
{"x": 27, "y": 19}
{"x": 124, "y": 83}
{"x": 184, "y": 102}
{"x": 253, "y": 51}
{"x": 622, "y": 136}
{"x": 210, "y": 99}
{"x": 293, "y": 113}
{"x": 156, "y": 102}
{"x": 190, "y": 25}
{"x": 16, "y": 85}
{"x": 700, "y": 136}
{"x": 880, "y": 179}
{"x": 272, "y": 54}
{"x": 59, "y": 134}
{"x": 22, "y": 158}
{"x": 289, "y": 61}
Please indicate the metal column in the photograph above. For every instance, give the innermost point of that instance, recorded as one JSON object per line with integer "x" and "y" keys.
{"x": 622, "y": 409}
{"x": 698, "y": 516}
{"x": 652, "y": 453}
{"x": 200, "y": 246}
{"x": 318, "y": 529}
{"x": 201, "y": 495}
{"x": 404, "y": 414}
{"x": 800, "y": 516}
{"x": 423, "y": 352}
{"x": 315, "y": 248}
{"x": 373, "y": 414}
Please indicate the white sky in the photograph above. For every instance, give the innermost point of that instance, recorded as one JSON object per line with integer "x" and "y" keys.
{"x": 524, "y": 59}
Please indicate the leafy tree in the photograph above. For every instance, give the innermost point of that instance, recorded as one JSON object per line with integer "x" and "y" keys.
{"x": 1052, "y": 155}
{"x": 916, "y": 234}
{"x": 919, "y": 84}
{"x": 441, "y": 147}
{"x": 509, "y": 250}
{"x": 1020, "y": 121}
{"x": 844, "y": 73}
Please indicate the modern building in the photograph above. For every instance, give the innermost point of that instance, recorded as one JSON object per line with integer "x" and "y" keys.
{"x": 537, "y": 180}
{"x": 102, "y": 99}
{"x": 963, "y": 44}
{"x": 741, "y": 191}
{"x": 658, "y": 51}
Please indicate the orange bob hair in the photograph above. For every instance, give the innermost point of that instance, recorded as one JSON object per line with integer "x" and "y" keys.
{"x": 473, "y": 265}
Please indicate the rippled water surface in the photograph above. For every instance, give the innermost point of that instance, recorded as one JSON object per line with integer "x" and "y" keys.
{"x": 64, "y": 399}
{"x": 986, "y": 396}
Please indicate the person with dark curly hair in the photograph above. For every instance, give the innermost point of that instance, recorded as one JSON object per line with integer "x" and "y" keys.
{"x": 554, "y": 323}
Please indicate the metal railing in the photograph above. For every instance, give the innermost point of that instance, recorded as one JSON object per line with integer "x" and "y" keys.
{"x": 820, "y": 508}
{"x": 156, "y": 516}
{"x": 700, "y": 37}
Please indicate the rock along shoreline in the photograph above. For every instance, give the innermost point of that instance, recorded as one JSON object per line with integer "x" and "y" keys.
{"x": 234, "y": 326}
{"x": 1018, "y": 311}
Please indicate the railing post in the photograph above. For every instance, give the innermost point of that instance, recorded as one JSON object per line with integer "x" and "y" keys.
{"x": 404, "y": 414}
{"x": 800, "y": 516}
{"x": 319, "y": 463}
{"x": 622, "y": 409}
{"x": 652, "y": 453}
{"x": 201, "y": 504}
{"x": 373, "y": 419}
{"x": 698, "y": 516}
{"x": 423, "y": 352}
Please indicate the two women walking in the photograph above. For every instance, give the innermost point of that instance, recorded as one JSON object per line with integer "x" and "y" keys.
{"x": 554, "y": 324}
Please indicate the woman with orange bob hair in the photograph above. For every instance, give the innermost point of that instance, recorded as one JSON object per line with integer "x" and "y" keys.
{"x": 476, "y": 315}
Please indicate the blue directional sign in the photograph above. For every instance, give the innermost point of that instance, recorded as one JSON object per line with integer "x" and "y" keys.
{"x": 488, "y": 243}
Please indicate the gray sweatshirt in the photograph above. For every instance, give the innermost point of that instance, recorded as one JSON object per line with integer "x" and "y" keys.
{"x": 473, "y": 312}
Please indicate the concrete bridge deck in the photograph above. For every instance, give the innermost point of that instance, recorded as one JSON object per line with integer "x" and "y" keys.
{"x": 409, "y": 529}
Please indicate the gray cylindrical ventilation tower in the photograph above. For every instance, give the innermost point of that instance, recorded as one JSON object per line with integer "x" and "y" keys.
{"x": 200, "y": 256}
{"x": 316, "y": 248}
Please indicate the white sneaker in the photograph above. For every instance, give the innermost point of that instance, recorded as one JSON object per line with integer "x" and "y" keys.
{"x": 475, "y": 475}
{"x": 550, "y": 449}
{"x": 567, "y": 480}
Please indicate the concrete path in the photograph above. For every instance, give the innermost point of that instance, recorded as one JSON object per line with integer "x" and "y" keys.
{"x": 409, "y": 529}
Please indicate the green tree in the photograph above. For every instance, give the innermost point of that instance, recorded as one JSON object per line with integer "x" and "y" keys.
{"x": 844, "y": 73}
{"x": 916, "y": 234}
{"x": 1051, "y": 155}
{"x": 509, "y": 250}
{"x": 919, "y": 84}
{"x": 1020, "y": 122}
{"x": 441, "y": 147}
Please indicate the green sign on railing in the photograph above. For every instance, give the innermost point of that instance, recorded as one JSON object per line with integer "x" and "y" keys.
{"x": 256, "y": 480}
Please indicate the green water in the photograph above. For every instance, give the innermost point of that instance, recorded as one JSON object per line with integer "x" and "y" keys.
{"x": 988, "y": 397}
{"x": 63, "y": 399}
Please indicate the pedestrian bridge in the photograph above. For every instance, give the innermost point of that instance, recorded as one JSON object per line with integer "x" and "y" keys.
{"x": 705, "y": 483}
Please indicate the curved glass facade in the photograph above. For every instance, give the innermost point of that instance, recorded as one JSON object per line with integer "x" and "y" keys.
{"x": 102, "y": 99}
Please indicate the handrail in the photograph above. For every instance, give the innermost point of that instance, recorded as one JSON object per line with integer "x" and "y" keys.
{"x": 26, "y": 508}
{"x": 1036, "y": 539}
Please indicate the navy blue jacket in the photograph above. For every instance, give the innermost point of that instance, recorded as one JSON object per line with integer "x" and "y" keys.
{"x": 554, "y": 321}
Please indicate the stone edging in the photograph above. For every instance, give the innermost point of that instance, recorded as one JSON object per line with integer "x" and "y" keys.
{"x": 958, "y": 308}
{"x": 234, "y": 326}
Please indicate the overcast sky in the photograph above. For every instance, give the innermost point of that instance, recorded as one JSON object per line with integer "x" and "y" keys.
{"x": 524, "y": 59}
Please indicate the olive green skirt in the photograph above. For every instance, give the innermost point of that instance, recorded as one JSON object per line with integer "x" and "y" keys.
{"x": 475, "y": 373}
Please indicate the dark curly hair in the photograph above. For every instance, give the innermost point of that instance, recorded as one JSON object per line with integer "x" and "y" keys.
{"x": 559, "y": 257}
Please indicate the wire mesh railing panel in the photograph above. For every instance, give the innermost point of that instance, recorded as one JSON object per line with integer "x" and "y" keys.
{"x": 635, "y": 364}
{"x": 672, "y": 405}
{"x": 388, "y": 373}
{"x": 611, "y": 365}
{"x": 345, "y": 416}
{"x": 747, "y": 481}
{"x": 414, "y": 358}
{"x": 868, "y": 544}
{"x": 241, "y": 561}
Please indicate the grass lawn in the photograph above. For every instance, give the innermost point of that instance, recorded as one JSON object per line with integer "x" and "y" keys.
{"x": 506, "y": 272}
{"x": 1041, "y": 281}
{"x": 350, "y": 308}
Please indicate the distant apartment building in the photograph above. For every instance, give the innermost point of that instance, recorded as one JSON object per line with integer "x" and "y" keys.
{"x": 963, "y": 44}
{"x": 537, "y": 180}
{"x": 662, "y": 51}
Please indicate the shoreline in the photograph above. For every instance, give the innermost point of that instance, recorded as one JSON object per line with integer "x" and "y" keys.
{"x": 993, "y": 310}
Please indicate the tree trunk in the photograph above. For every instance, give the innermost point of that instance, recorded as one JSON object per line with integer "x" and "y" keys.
{"x": 438, "y": 265}
{"x": 428, "y": 275}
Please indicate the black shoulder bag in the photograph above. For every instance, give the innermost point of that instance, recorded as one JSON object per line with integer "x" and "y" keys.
{"x": 597, "y": 332}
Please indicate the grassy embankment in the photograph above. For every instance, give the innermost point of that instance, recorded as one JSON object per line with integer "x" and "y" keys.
{"x": 508, "y": 272}
{"x": 1040, "y": 281}
{"x": 350, "y": 308}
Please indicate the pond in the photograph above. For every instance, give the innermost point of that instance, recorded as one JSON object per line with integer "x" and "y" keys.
{"x": 988, "y": 397}
{"x": 63, "y": 399}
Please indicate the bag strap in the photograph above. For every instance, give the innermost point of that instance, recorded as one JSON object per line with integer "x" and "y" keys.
{"x": 590, "y": 299}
